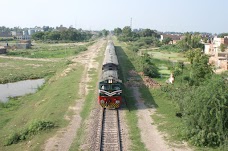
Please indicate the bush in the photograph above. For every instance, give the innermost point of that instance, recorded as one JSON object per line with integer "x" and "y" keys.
{"x": 170, "y": 48}
{"x": 33, "y": 129}
{"x": 80, "y": 48}
{"x": 133, "y": 48}
{"x": 151, "y": 71}
{"x": 149, "y": 68}
{"x": 205, "y": 113}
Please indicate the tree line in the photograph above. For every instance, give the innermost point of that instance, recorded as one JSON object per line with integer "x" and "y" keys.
{"x": 70, "y": 34}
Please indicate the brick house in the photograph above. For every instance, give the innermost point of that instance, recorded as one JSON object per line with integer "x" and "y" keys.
{"x": 217, "y": 58}
{"x": 175, "y": 38}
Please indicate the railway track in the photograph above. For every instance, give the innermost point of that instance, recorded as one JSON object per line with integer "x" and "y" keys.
{"x": 109, "y": 130}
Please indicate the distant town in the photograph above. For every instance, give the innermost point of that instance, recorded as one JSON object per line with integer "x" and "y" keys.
{"x": 216, "y": 46}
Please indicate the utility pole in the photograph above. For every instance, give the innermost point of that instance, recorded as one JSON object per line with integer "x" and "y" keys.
{"x": 131, "y": 23}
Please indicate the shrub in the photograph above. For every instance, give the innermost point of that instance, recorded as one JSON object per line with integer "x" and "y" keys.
{"x": 170, "y": 48}
{"x": 80, "y": 48}
{"x": 151, "y": 71}
{"x": 33, "y": 129}
{"x": 205, "y": 113}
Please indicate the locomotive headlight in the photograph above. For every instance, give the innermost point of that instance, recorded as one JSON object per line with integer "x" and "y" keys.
{"x": 102, "y": 101}
{"x": 117, "y": 101}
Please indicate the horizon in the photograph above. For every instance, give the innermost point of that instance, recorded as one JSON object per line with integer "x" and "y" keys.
{"x": 205, "y": 16}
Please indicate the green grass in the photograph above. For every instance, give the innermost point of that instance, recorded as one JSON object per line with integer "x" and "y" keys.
{"x": 50, "y": 51}
{"x": 165, "y": 117}
{"x": 171, "y": 56}
{"x": 90, "y": 101}
{"x": 34, "y": 128}
{"x": 165, "y": 114}
{"x": 126, "y": 59}
{"x": 16, "y": 70}
{"x": 50, "y": 103}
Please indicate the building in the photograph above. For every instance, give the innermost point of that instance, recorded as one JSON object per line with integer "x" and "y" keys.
{"x": 215, "y": 46}
{"x": 2, "y": 50}
{"x": 175, "y": 38}
{"x": 25, "y": 32}
{"x": 31, "y": 31}
{"x": 5, "y": 35}
{"x": 23, "y": 37}
{"x": 218, "y": 58}
{"x": 15, "y": 33}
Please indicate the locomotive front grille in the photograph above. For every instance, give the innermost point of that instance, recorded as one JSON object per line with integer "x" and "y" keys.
{"x": 110, "y": 105}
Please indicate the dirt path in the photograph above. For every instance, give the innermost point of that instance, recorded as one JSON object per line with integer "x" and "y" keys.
{"x": 150, "y": 136}
{"x": 65, "y": 136}
{"x": 33, "y": 59}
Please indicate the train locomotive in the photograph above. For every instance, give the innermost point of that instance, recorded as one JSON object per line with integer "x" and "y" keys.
{"x": 110, "y": 86}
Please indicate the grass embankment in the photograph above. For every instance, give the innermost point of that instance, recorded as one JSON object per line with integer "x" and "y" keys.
{"x": 90, "y": 101}
{"x": 42, "y": 50}
{"x": 16, "y": 70}
{"x": 50, "y": 103}
{"x": 125, "y": 58}
{"x": 25, "y": 118}
{"x": 165, "y": 115}
{"x": 166, "y": 109}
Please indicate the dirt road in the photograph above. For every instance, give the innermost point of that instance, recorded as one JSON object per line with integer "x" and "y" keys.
{"x": 151, "y": 137}
{"x": 64, "y": 137}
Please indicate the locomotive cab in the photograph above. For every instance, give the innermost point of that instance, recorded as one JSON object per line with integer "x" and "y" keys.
{"x": 110, "y": 91}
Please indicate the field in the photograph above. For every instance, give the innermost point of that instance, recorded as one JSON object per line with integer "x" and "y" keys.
{"x": 49, "y": 104}
{"x": 164, "y": 55}
{"x": 44, "y": 50}
{"x": 13, "y": 70}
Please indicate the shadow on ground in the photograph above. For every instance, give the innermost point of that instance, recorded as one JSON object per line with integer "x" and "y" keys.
{"x": 131, "y": 85}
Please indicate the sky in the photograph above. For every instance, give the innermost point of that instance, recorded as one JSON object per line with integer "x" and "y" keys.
{"x": 162, "y": 15}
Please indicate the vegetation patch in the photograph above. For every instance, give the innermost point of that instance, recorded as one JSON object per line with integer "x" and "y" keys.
{"x": 50, "y": 103}
{"x": 90, "y": 100}
{"x": 131, "y": 116}
{"x": 18, "y": 70}
{"x": 34, "y": 128}
{"x": 194, "y": 108}
{"x": 49, "y": 51}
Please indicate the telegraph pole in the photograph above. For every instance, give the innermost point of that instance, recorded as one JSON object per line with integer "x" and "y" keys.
{"x": 131, "y": 23}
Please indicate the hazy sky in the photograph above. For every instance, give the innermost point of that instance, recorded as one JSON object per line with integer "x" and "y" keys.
{"x": 162, "y": 15}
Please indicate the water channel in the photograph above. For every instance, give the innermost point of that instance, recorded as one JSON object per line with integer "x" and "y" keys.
{"x": 19, "y": 88}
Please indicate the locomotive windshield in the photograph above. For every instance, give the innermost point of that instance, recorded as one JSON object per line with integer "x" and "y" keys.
{"x": 104, "y": 87}
{"x": 115, "y": 87}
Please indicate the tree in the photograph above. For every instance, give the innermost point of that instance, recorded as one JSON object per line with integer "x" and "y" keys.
{"x": 105, "y": 32}
{"x": 222, "y": 35}
{"x": 38, "y": 36}
{"x": 149, "y": 68}
{"x": 222, "y": 47}
{"x": 54, "y": 35}
{"x": 127, "y": 31}
{"x": 146, "y": 33}
{"x": 200, "y": 68}
{"x": 205, "y": 112}
{"x": 166, "y": 40}
{"x": 190, "y": 42}
{"x": 70, "y": 34}
{"x": 117, "y": 31}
